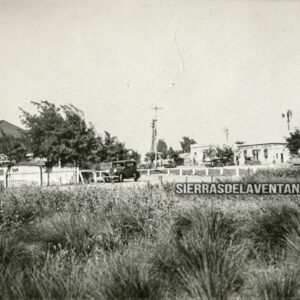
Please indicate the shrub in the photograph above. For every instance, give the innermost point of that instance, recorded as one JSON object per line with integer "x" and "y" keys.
{"x": 269, "y": 225}
{"x": 279, "y": 282}
{"x": 204, "y": 255}
{"x": 62, "y": 230}
{"x": 273, "y": 175}
{"x": 60, "y": 277}
{"x": 130, "y": 275}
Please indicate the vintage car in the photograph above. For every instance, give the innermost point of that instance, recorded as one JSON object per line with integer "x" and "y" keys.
{"x": 120, "y": 170}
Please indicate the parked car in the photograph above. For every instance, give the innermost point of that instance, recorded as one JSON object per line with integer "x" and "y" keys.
{"x": 122, "y": 169}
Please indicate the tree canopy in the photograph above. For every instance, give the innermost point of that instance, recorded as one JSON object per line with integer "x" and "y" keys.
{"x": 61, "y": 134}
{"x": 225, "y": 154}
{"x": 14, "y": 147}
{"x": 162, "y": 148}
{"x": 186, "y": 144}
{"x": 294, "y": 141}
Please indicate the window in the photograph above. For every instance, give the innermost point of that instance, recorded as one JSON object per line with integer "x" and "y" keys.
{"x": 245, "y": 153}
{"x": 118, "y": 164}
{"x": 130, "y": 164}
{"x": 266, "y": 153}
{"x": 276, "y": 155}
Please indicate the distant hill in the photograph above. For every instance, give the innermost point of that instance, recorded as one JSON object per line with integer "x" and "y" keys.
{"x": 10, "y": 129}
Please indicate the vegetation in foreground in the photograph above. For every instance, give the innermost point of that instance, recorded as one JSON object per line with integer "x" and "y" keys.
{"x": 147, "y": 243}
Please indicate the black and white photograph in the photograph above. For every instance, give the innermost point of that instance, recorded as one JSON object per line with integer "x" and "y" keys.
{"x": 150, "y": 149}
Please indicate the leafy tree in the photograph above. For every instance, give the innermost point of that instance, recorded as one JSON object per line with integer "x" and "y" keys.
{"x": 186, "y": 144}
{"x": 150, "y": 156}
{"x": 225, "y": 154}
{"x": 77, "y": 140}
{"x": 162, "y": 148}
{"x": 44, "y": 130}
{"x": 174, "y": 154}
{"x": 133, "y": 155}
{"x": 14, "y": 147}
{"x": 293, "y": 142}
{"x": 59, "y": 134}
{"x": 113, "y": 149}
{"x": 211, "y": 152}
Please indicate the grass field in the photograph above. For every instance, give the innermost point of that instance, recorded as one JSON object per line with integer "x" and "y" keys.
{"x": 144, "y": 242}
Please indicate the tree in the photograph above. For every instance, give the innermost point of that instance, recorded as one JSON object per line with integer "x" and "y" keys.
{"x": 14, "y": 147}
{"x": 114, "y": 149}
{"x": 186, "y": 144}
{"x": 133, "y": 155}
{"x": 225, "y": 154}
{"x": 293, "y": 142}
{"x": 59, "y": 134}
{"x": 174, "y": 155}
{"x": 162, "y": 148}
{"x": 150, "y": 156}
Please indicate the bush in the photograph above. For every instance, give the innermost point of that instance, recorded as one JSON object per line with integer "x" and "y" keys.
{"x": 130, "y": 275}
{"x": 204, "y": 255}
{"x": 279, "y": 282}
{"x": 273, "y": 175}
{"x": 146, "y": 242}
{"x": 268, "y": 226}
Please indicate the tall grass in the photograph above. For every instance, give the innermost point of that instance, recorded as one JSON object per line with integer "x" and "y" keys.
{"x": 269, "y": 225}
{"x": 281, "y": 281}
{"x": 274, "y": 175}
{"x": 128, "y": 243}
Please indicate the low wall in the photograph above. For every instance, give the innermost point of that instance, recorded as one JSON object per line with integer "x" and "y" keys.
{"x": 37, "y": 176}
{"x": 232, "y": 171}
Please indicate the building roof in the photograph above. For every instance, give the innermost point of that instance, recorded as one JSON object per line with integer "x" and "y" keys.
{"x": 10, "y": 129}
{"x": 262, "y": 144}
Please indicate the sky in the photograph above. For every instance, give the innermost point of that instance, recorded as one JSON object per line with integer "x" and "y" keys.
{"x": 209, "y": 64}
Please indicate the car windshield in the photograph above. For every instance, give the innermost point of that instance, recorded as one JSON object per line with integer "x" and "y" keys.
{"x": 130, "y": 164}
{"x": 118, "y": 164}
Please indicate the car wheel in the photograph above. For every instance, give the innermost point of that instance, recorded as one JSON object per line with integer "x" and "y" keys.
{"x": 121, "y": 177}
{"x": 136, "y": 178}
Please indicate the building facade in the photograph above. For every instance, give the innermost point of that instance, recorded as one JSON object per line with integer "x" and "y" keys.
{"x": 264, "y": 154}
{"x": 199, "y": 154}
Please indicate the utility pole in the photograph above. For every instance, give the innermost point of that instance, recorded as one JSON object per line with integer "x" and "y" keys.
{"x": 154, "y": 132}
{"x": 226, "y": 130}
{"x": 288, "y": 116}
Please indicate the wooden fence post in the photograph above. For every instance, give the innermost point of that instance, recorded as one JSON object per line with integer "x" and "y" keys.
{"x": 6, "y": 179}
{"x": 41, "y": 176}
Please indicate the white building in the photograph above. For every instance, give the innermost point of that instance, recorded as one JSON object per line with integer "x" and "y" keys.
{"x": 199, "y": 153}
{"x": 263, "y": 153}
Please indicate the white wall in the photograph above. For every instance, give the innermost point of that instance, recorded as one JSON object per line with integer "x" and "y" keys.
{"x": 274, "y": 153}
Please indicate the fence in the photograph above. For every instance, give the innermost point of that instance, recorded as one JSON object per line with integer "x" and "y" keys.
{"x": 234, "y": 171}
{"x": 38, "y": 176}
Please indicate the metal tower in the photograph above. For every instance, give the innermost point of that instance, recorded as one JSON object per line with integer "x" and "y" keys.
{"x": 288, "y": 116}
